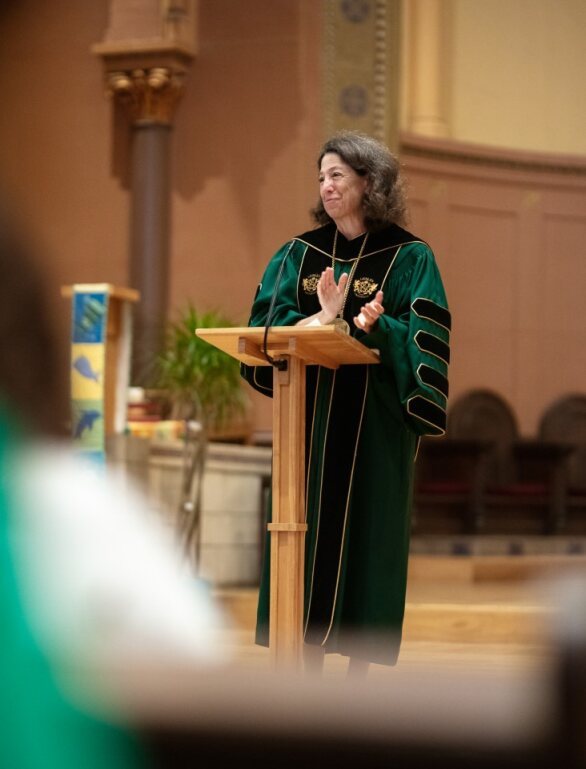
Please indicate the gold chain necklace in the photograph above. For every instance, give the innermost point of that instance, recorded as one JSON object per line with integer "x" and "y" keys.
{"x": 339, "y": 319}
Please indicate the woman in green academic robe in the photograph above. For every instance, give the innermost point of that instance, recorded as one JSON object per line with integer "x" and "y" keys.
{"x": 359, "y": 268}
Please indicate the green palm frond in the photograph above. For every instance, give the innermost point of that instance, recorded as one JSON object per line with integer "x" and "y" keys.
{"x": 199, "y": 378}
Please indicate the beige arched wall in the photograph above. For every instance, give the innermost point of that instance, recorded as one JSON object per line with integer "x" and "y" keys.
{"x": 246, "y": 136}
{"x": 56, "y": 139}
{"x": 510, "y": 72}
{"x": 244, "y": 142}
{"x": 495, "y": 154}
{"x": 509, "y": 234}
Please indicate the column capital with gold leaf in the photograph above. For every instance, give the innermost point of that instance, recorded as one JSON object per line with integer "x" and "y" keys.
{"x": 147, "y": 51}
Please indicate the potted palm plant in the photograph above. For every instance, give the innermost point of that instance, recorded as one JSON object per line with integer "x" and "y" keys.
{"x": 200, "y": 381}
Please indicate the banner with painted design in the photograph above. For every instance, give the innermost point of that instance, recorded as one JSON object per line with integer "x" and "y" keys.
{"x": 88, "y": 368}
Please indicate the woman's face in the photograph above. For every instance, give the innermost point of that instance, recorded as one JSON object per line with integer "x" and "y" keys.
{"x": 341, "y": 189}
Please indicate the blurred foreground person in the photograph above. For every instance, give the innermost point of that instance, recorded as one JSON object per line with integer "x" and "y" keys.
{"x": 90, "y": 582}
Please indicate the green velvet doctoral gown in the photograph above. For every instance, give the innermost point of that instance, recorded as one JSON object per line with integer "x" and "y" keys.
{"x": 362, "y": 430}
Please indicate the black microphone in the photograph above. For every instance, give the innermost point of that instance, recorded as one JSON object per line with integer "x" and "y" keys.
{"x": 280, "y": 365}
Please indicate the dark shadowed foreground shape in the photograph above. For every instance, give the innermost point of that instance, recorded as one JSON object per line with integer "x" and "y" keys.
{"x": 510, "y": 719}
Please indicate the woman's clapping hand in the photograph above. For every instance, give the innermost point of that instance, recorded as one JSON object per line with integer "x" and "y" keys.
{"x": 370, "y": 313}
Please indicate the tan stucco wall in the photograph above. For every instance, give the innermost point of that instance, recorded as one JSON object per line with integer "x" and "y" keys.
{"x": 56, "y": 138}
{"x": 512, "y": 72}
{"x": 244, "y": 142}
{"x": 509, "y": 241}
{"x": 243, "y": 147}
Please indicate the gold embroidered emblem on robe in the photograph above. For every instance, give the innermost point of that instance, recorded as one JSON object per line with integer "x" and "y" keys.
{"x": 310, "y": 284}
{"x": 364, "y": 287}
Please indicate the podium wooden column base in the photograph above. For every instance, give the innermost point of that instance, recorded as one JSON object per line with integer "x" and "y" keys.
{"x": 288, "y": 527}
{"x": 297, "y": 346}
{"x": 286, "y": 618}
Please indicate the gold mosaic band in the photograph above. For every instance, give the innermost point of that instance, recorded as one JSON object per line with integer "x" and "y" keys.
{"x": 361, "y": 67}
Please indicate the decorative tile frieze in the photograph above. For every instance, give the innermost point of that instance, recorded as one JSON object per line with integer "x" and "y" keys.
{"x": 361, "y": 63}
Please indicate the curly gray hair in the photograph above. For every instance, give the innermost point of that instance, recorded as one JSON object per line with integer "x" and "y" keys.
{"x": 384, "y": 201}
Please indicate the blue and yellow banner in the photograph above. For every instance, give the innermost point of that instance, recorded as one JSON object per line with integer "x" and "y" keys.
{"x": 88, "y": 368}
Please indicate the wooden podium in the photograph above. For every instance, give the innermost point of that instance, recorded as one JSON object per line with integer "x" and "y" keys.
{"x": 298, "y": 347}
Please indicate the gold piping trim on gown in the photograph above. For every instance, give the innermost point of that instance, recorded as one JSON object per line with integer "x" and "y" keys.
{"x": 352, "y": 473}
{"x": 426, "y": 317}
{"x": 422, "y": 419}
{"x": 370, "y": 253}
{"x": 300, "y": 271}
{"x": 426, "y": 384}
{"x": 319, "y": 505}
{"x": 428, "y": 352}
{"x": 353, "y": 463}
{"x": 346, "y": 510}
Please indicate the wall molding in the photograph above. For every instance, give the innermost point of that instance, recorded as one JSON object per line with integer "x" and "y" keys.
{"x": 508, "y": 229}
{"x": 475, "y": 155}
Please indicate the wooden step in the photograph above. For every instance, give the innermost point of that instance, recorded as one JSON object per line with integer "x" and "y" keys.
{"x": 476, "y": 599}
{"x": 445, "y": 622}
{"x": 489, "y": 568}
{"x": 476, "y": 623}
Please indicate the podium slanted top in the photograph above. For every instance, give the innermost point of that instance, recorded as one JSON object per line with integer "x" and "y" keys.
{"x": 317, "y": 345}
{"x": 118, "y": 292}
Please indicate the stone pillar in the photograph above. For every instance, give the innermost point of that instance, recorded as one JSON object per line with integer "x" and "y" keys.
{"x": 150, "y": 97}
{"x": 145, "y": 76}
{"x": 149, "y": 253}
{"x": 428, "y": 65}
